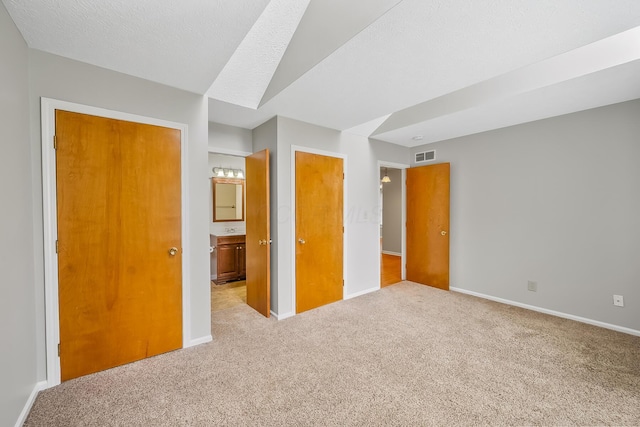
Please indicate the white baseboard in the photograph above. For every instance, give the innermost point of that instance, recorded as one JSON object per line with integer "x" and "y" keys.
{"x": 551, "y": 312}
{"x": 392, "y": 253}
{"x": 282, "y": 316}
{"x": 357, "y": 294}
{"x": 29, "y": 404}
{"x": 201, "y": 340}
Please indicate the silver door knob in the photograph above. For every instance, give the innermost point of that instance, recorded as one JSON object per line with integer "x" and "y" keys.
{"x": 301, "y": 241}
{"x": 173, "y": 251}
{"x": 444, "y": 233}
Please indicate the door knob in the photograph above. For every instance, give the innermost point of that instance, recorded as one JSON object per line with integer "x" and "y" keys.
{"x": 444, "y": 233}
{"x": 173, "y": 251}
{"x": 301, "y": 241}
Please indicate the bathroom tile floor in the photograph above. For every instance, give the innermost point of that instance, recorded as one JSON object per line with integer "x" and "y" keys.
{"x": 228, "y": 295}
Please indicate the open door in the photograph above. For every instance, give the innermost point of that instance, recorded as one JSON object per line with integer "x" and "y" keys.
{"x": 428, "y": 225}
{"x": 258, "y": 236}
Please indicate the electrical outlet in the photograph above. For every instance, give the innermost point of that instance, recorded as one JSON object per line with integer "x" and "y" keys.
{"x": 618, "y": 300}
{"x": 532, "y": 286}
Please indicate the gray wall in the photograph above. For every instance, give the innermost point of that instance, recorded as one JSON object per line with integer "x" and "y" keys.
{"x": 392, "y": 212}
{"x": 64, "y": 79}
{"x": 229, "y": 139}
{"x": 555, "y": 201}
{"x": 17, "y": 304}
{"x": 265, "y": 136}
{"x": 362, "y": 186}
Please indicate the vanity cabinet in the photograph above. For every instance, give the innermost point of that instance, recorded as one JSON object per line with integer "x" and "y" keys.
{"x": 228, "y": 259}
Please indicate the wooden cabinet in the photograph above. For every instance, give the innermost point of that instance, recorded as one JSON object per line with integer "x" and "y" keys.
{"x": 228, "y": 259}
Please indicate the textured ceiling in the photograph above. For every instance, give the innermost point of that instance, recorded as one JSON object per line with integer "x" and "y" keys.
{"x": 246, "y": 76}
{"x": 181, "y": 44}
{"x": 394, "y": 68}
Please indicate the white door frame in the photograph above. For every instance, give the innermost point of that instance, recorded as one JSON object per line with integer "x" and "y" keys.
{"x": 50, "y": 225}
{"x": 294, "y": 149}
{"x": 403, "y": 238}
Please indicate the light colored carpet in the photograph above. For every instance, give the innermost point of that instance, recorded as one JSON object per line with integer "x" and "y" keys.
{"x": 405, "y": 355}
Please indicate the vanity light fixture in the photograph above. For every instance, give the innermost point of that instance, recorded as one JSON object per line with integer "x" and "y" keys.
{"x": 386, "y": 178}
{"x": 219, "y": 172}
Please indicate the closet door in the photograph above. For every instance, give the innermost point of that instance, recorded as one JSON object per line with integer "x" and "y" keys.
{"x": 119, "y": 242}
{"x": 319, "y": 230}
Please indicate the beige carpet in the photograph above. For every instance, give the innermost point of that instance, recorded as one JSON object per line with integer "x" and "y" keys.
{"x": 405, "y": 355}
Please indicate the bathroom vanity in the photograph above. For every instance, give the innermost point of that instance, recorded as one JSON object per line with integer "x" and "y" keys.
{"x": 228, "y": 259}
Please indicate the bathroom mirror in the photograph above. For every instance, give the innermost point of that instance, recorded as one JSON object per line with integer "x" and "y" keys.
{"x": 228, "y": 199}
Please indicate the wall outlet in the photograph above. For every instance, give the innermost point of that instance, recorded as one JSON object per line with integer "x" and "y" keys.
{"x": 532, "y": 286}
{"x": 618, "y": 300}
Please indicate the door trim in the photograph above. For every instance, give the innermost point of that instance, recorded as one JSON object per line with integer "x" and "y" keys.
{"x": 50, "y": 223}
{"x": 403, "y": 218}
{"x": 345, "y": 209}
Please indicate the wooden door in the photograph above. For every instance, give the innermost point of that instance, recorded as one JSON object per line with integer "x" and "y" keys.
{"x": 119, "y": 214}
{"x": 428, "y": 225}
{"x": 319, "y": 230}
{"x": 258, "y": 236}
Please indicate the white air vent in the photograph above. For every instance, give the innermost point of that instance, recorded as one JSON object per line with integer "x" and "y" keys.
{"x": 425, "y": 156}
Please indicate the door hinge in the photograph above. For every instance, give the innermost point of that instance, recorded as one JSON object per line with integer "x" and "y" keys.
{"x": 342, "y": 282}
{"x": 58, "y": 349}
{"x": 343, "y": 176}
{"x": 55, "y": 142}
{"x": 56, "y": 246}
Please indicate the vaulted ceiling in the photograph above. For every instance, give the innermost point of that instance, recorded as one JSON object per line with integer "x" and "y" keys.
{"x": 404, "y": 71}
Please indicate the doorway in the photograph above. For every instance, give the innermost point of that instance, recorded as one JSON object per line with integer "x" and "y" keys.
{"x": 179, "y": 257}
{"x": 392, "y": 219}
{"x": 240, "y": 243}
{"x": 227, "y": 289}
{"x": 390, "y": 226}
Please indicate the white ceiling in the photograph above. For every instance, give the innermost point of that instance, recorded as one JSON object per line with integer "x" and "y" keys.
{"x": 394, "y": 68}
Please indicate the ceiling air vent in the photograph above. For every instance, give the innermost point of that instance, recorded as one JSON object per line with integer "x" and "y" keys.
{"x": 425, "y": 156}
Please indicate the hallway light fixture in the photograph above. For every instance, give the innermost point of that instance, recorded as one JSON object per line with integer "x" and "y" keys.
{"x": 386, "y": 178}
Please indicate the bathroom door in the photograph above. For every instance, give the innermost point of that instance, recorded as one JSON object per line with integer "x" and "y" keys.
{"x": 258, "y": 236}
